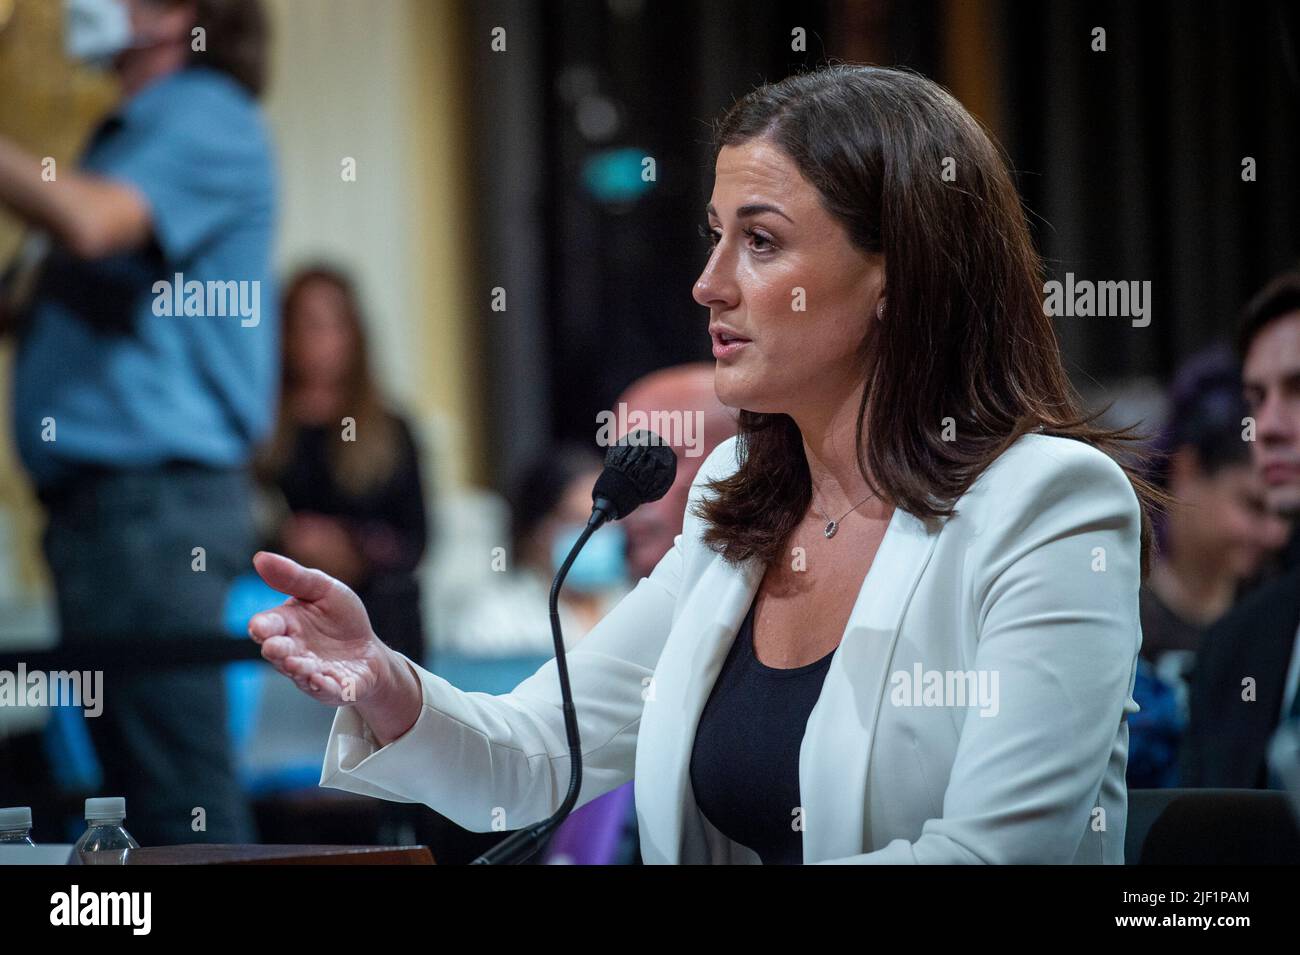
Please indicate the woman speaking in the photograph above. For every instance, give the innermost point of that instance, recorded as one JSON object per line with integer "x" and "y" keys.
{"x": 900, "y": 624}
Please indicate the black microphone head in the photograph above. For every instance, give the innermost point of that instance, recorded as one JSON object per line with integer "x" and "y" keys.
{"x": 640, "y": 468}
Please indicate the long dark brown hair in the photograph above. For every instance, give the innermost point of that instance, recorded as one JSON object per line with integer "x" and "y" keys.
{"x": 359, "y": 465}
{"x": 965, "y": 335}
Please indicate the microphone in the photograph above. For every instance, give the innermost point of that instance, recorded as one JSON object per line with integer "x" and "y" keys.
{"x": 638, "y": 469}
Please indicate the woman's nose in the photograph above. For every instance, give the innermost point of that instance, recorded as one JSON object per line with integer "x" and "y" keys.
{"x": 700, "y": 291}
{"x": 712, "y": 288}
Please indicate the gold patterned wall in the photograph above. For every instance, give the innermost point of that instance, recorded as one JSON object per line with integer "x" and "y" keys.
{"x": 49, "y": 107}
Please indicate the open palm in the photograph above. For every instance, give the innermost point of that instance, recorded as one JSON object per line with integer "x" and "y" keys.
{"x": 320, "y": 637}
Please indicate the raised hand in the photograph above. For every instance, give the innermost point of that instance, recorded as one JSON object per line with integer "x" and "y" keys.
{"x": 320, "y": 637}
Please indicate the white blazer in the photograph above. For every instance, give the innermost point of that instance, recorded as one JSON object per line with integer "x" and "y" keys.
{"x": 1031, "y": 587}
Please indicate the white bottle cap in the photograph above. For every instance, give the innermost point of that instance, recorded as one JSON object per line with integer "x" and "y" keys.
{"x": 16, "y": 817}
{"x": 106, "y": 809}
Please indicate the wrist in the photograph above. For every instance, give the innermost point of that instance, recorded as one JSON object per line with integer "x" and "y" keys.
{"x": 395, "y": 705}
{"x": 392, "y": 673}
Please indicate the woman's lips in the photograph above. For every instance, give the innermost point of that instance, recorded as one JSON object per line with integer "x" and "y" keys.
{"x": 725, "y": 346}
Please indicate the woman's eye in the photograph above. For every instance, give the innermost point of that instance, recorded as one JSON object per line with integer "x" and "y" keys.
{"x": 757, "y": 241}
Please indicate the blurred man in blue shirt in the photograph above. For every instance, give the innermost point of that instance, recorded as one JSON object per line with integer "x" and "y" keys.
{"x": 146, "y": 374}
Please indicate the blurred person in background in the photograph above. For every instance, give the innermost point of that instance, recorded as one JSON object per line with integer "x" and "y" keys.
{"x": 136, "y": 423}
{"x": 345, "y": 465}
{"x": 1219, "y": 534}
{"x": 1248, "y": 666}
{"x": 549, "y": 508}
{"x": 684, "y": 390}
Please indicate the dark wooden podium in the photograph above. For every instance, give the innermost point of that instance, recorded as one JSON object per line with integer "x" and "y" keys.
{"x": 205, "y": 854}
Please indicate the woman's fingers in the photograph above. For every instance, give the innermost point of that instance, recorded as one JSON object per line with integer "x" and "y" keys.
{"x": 300, "y": 667}
{"x": 286, "y": 632}
{"x": 277, "y": 649}
{"x": 320, "y": 687}
{"x": 303, "y": 671}
{"x": 290, "y": 577}
{"x": 269, "y": 623}
{"x": 307, "y": 670}
{"x": 323, "y": 687}
{"x": 328, "y": 685}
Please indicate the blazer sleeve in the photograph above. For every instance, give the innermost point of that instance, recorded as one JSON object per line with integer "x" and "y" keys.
{"x": 1055, "y": 594}
{"x": 492, "y": 761}
{"x": 502, "y": 761}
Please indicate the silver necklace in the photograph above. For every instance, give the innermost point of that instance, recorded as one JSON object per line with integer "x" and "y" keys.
{"x": 833, "y": 526}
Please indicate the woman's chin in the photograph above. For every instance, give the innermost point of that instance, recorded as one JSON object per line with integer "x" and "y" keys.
{"x": 729, "y": 394}
{"x": 742, "y": 393}
{"x": 747, "y": 401}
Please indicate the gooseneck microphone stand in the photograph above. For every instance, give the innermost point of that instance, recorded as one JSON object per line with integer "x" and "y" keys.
{"x": 521, "y": 845}
{"x": 638, "y": 469}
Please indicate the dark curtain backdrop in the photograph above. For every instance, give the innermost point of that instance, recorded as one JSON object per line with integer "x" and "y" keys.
{"x": 1129, "y": 162}
{"x": 1133, "y": 160}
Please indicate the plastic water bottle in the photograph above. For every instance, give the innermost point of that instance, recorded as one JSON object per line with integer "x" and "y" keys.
{"x": 16, "y": 826}
{"x": 105, "y": 842}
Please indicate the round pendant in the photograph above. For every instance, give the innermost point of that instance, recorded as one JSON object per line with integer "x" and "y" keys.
{"x": 831, "y": 528}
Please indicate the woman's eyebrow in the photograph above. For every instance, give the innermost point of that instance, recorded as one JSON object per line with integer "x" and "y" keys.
{"x": 752, "y": 209}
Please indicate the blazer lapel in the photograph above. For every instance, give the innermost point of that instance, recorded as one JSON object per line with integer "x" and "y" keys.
{"x": 692, "y": 658}
{"x": 835, "y": 757}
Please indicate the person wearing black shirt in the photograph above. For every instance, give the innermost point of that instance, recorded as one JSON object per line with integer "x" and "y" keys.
{"x": 346, "y": 466}
{"x": 1247, "y": 680}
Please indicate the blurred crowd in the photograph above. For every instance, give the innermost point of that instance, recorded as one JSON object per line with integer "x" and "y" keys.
{"x": 1221, "y": 608}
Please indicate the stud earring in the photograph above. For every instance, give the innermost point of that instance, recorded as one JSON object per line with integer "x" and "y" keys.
{"x": 880, "y": 309}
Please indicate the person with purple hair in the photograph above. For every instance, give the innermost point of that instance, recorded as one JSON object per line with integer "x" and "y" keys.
{"x": 1210, "y": 545}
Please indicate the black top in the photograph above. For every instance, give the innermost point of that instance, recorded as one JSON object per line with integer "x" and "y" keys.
{"x": 388, "y": 525}
{"x": 1162, "y": 629}
{"x": 745, "y": 761}
{"x": 1226, "y": 744}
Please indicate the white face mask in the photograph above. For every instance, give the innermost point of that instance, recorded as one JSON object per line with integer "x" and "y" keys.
{"x": 95, "y": 31}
